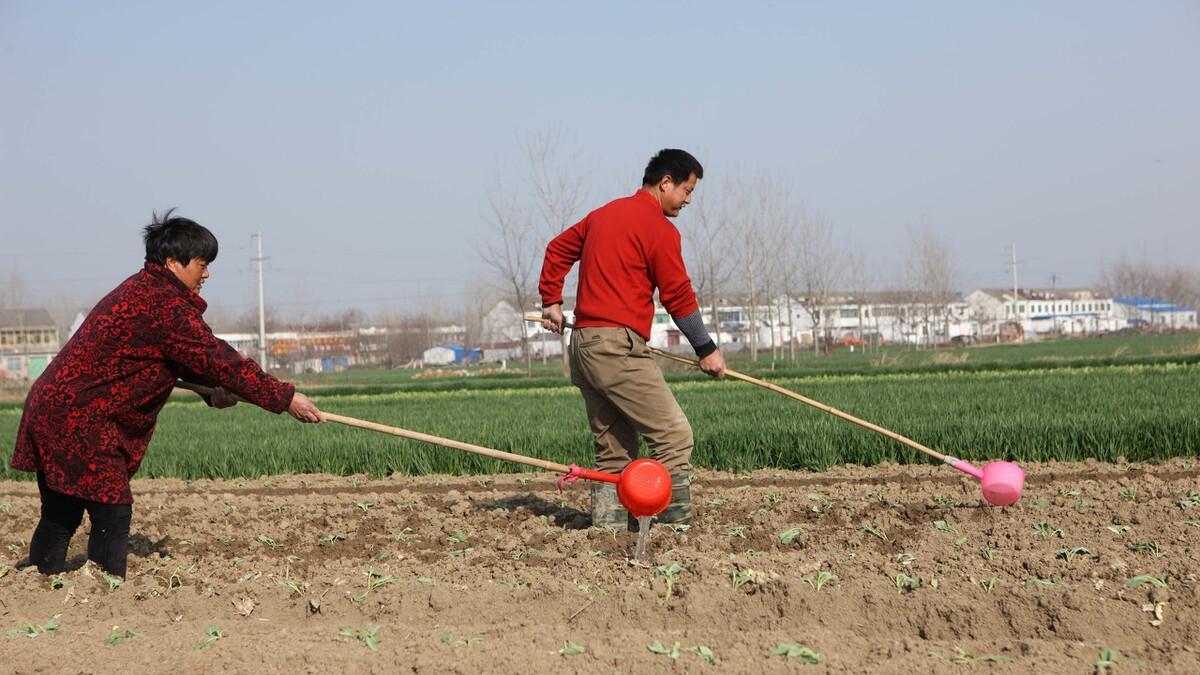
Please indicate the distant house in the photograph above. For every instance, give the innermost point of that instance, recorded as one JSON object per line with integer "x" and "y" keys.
{"x": 1142, "y": 311}
{"x": 447, "y": 354}
{"x": 28, "y": 341}
{"x": 1062, "y": 311}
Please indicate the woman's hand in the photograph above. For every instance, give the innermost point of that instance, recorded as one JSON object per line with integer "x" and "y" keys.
{"x": 220, "y": 398}
{"x": 303, "y": 409}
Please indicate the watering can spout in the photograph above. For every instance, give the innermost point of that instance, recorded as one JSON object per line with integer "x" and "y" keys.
{"x": 964, "y": 466}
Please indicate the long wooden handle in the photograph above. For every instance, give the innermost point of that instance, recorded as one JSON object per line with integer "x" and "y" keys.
{"x": 803, "y": 399}
{"x": 415, "y": 435}
{"x": 809, "y": 402}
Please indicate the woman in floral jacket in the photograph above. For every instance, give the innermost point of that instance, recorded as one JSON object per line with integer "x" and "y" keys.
{"x": 89, "y": 417}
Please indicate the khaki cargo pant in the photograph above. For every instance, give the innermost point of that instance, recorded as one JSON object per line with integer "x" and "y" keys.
{"x": 626, "y": 395}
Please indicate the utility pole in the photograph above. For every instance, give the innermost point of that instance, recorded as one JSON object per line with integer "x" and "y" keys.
{"x": 1016, "y": 292}
{"x": 262, "y": 321}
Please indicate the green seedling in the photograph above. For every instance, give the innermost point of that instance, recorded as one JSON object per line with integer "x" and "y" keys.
{"x": 1043, "y": 582}
{"x": 295, "y": 586}
{"x": 788, "y": 536}
{"x": 1046, "y": 530}
{"x": 716, "y": 501}
{"x": 461, "y": 553}
{"x": 116, "y": 637}
{"x": 331, "y": 539}
{"x": 742, "y": 577}
{"x": 276, "y": 508}
{"x": 1129, "y": 494}
{"x": 4, "y": 570}
{"x": 737, "y": 531}
{"x": 872, "y": 530}
{"x": 1190, "y": 499}
{"x": 677, "y": 527}
{"x": 821, "y": 502}
{"x": 961, "y": 656}
{"x": 1150, "y": 547}
{"x": 523, "y": 481}
{"x": 1108, "y": 659}
{"x": 32, "y": 630}
{"x": 670, "y": 573}
{"x": 823, "y": 577}
{"x": 1080, "y": 505}
{"x": 448, "y": 638}
{"x": 905, "y": 558}
{"x": 572, "y": 649}
{"x": 944, "y": 501}
{"x": 375, "y": 579}
{"x": 264, "y": 539}
{"x": 483, "y": 482}
{"x": 988, "y": 585}
{"x": 597, "y": 554}
{"x": 606, "y": 529}
{"x": 705, "y": 653}
{"x": 987, "y": 553}
{"x": 944, "y": 526}
{"x": 425, "y": 581}
{"x": 585, "y": 587}
{"x": 57, "y": 581}
{"x": 1066, "y": 492}
{"x": 1118, "y": 529}
{"x": 801, "y": 654}
{"x": 960, "y": 541}
{"x": 774, "y": 498}
{"x": 230, "y": 508}
{"x": 517, "y": 555}
{"x": 1190, "y": 523}
{"x": 1069, "y": 554}
{"x": 212, "y": 634}
{"x": 5, "y": 507}
{"x": 1041, "y": 504}
{"x": 905, "y": 583}
{"x": 364, "y": 506}
{"x": 658, "y": 648}
{"x": 113, "y": 582}
{"x": 1147, "y": 579}
{"x": 368, "y": 635}
{"x": 457, "y": 538}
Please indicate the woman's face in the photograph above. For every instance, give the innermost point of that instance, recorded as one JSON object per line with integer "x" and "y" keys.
{"x": 192, "y": 275}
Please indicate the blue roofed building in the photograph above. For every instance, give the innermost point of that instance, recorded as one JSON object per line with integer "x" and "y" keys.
{"x": 1143, "y": 311}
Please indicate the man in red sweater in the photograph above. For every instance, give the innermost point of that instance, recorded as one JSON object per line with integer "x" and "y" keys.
{"x": 626, "y": 249}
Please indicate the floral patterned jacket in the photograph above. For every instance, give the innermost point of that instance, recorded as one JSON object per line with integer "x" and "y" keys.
{"x": 89, "y": 417}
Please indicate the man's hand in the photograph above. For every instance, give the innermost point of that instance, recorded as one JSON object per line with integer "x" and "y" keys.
{"x": 303, "y": 409}
{"x": 552, "y": 318}
{"x": 220, "y": 398}
{"x": 714, "y": 364}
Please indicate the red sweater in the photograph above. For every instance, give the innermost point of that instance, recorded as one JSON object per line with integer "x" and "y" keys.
{"x": 89, "y": 417}
{"x": 625, "y": 250}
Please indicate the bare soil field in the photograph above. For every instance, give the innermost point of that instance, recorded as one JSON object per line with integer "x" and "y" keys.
{"x": 435, "y": 574}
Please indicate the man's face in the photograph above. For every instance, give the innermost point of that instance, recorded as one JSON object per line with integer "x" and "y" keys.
{"x": 676, "y": 195}
{"x": 192, "y": 275}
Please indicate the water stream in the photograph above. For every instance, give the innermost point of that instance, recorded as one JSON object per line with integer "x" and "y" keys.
{"x": 639, "y": 553}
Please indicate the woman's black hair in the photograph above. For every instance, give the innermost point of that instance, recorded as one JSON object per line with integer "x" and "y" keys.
{"x": 678, "y": 164}
{"x": 179, "y": 238}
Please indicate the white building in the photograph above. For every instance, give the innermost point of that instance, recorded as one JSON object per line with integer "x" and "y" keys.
{"x": 1140, "y": 311}
{"x": 1064, "y": 311}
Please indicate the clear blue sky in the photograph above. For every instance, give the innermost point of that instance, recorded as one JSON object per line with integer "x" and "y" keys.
{"x": 362, "y": 137}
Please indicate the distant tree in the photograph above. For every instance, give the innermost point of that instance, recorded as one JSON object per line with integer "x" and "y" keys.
{"x": 513, "y": 251}
{"x": 930, "y": 273}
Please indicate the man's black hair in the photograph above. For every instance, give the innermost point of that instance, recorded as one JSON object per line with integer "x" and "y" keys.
{"x": 170, "y": 236}
{"x": 678, "y": 164}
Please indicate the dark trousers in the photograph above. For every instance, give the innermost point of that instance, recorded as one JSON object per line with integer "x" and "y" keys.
{"x": 108, "y": 542}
